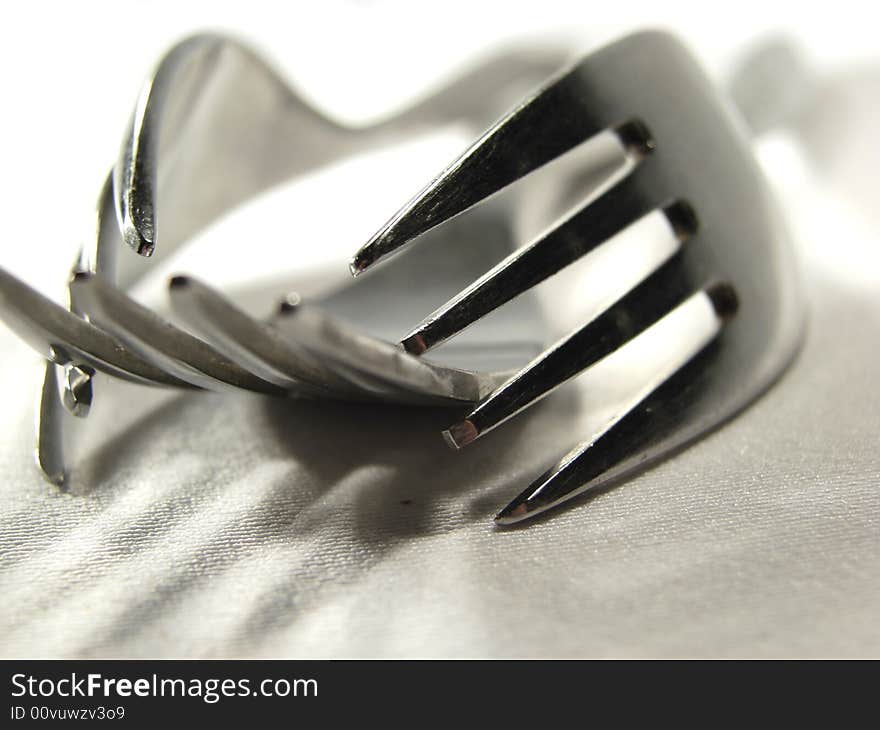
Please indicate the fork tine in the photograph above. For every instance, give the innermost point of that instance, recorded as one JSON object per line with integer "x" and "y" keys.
{"x": 51, "y": 415}
{"x": 181, "y": 74}
{"x": 530, "y": 136}
{"x": 254, "y": 345}
{"x": 168, "y": 347}
{"x": 582, "y": 232}
{"x": 610, "y": 451}
{"x": 62, "y": 337}
{"x": 339, "y": 344}
{"x": 596, "y": 339}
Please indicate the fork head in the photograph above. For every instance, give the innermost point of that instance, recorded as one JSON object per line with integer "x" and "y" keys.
{"x": 213, "y": 127}
{"x": 707, "y": 297}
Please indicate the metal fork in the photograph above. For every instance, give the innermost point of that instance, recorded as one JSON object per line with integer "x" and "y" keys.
{"x": 695, "y": 302}
{"x": 213, "y": 126}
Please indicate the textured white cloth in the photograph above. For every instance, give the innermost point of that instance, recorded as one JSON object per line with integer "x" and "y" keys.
{"x": 249, "y": 527}
{"x": 229, "y": 525}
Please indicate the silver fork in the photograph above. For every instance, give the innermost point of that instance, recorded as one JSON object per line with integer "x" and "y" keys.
{"x": 213, "y": 126}
{"x": 688, "y": 326}
{"x": 692, "y": 299}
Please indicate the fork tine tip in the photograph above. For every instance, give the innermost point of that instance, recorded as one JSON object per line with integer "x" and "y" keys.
{"x": 363, "y": 259}
{"x": 414, "y": 344}
{"x": 515, "y": 512}
{"x": 461, "y": 434}
{"x": 140, "y": 237}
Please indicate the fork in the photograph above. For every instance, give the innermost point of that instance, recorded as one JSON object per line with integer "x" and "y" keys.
{"x": 632, "y": 157}
{"x": 213, "y": 126}
{"x": 694, "y": 296}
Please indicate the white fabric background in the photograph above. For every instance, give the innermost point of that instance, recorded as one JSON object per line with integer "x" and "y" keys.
{"x": 238, "y": 526}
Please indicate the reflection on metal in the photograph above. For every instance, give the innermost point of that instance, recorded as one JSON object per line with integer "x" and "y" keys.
{"x": 688, "y": 164}
{"x": 213, "y": 127}
{"x": 692, "y": 306}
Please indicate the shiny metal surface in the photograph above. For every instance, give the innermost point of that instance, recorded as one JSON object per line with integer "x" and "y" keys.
{"x": 695, "y": 164}
{"x": 63, "y": 338}
{"x": 656, "y": 241}
{"x": 306, "y": 348}
{"x": 647, "y": 361}
{"x": 169, "y": 348}
{"x": 212, "y": 127}
{"x": 633, "y": 144}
